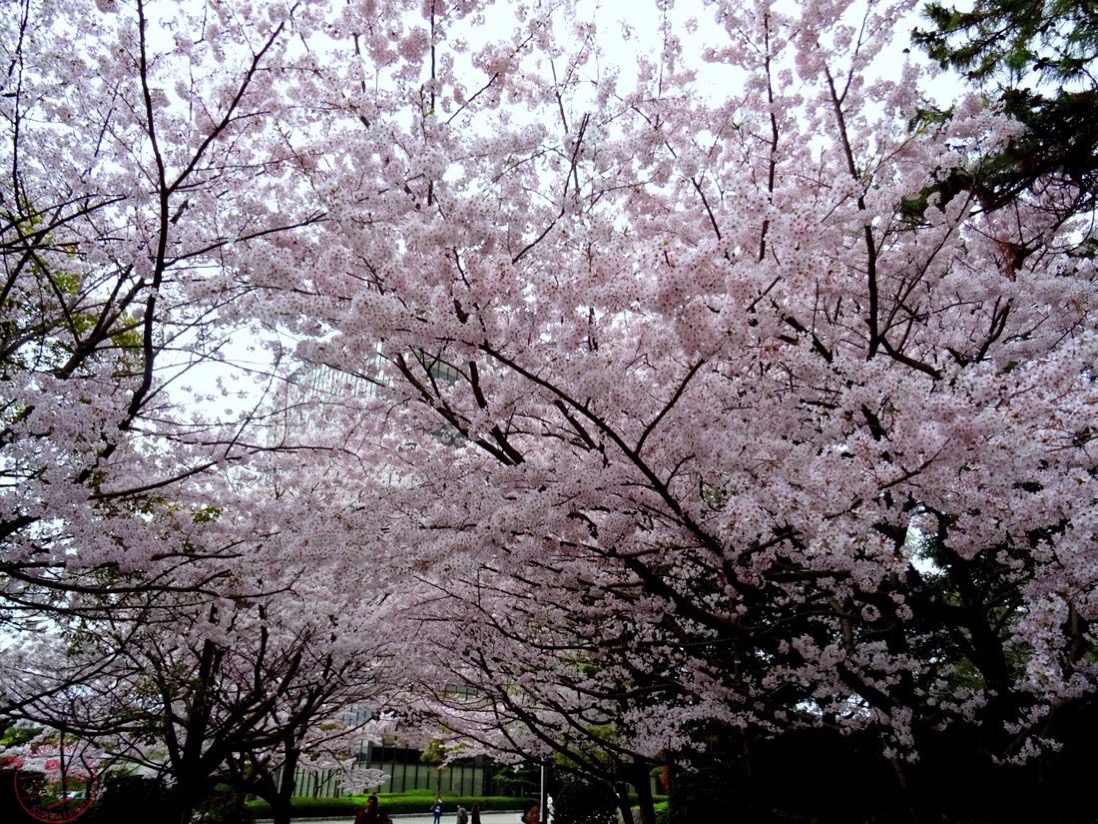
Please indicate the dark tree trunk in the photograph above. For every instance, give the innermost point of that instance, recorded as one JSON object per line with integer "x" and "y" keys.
{"x": 621, "y": 792}
{"x": 643, "y": 785}
{"x": 281, "y": 810}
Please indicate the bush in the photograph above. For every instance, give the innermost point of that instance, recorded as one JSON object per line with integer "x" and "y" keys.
{"x": 224, "y": 806}
{"x": 660, "y": 808}
{"x": 417, "y": 802}
{"x": 126, "y": 798}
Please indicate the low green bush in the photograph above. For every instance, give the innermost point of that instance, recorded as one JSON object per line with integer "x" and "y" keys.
{"x": 660, "y": 807}
{"x": 416, "y": 802}
{"x": 313, "y": 807}
{"x": 408, "y": 803}
{"x": 127, "y": 797}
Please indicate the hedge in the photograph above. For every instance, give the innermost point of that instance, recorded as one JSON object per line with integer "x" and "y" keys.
{"x": 417, "y": 803}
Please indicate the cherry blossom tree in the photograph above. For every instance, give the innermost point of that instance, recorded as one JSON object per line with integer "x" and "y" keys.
{"x": 148, "y": 149}
{"x": 702, "y": 407}
{"x": 525, "y": 698}
{"x": 251, "y": 683}
{"x": 144, "y": 148}
{"x": 197, "y": 690}
{"x": 688, "y": 392}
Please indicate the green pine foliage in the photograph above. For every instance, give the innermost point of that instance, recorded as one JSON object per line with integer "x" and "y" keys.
{"x": 1056, "y": 39}
{"x": 1040, "y": 58}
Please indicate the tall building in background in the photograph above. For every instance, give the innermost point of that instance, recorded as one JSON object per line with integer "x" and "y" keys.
{"x": 307, "y": 392}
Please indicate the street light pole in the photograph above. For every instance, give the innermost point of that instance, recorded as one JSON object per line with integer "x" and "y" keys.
{"x": 541, "y": 797}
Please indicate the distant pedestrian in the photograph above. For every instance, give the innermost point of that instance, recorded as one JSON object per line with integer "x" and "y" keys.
{"x": 531, "y": 813}
{"x": 436, "y": 810}
{"x": 463, "y": 817}
{"x": 474, "y": 813}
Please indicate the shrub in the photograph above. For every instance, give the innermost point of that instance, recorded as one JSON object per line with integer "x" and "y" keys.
{"x": 416, "y": 803}
{"x": 125, "y": 798}
{"x": 224, "y": 806}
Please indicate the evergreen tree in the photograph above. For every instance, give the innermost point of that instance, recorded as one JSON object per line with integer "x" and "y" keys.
{"x": 1039, "y": 58}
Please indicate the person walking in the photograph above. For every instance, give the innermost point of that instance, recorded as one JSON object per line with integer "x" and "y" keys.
{"x": 474, "y": 814}
{"x": 436, "y": 810}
